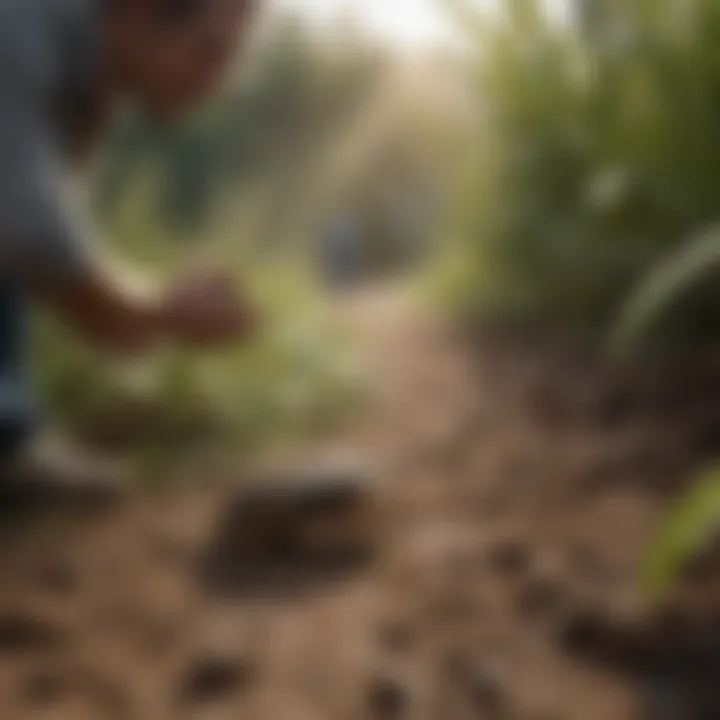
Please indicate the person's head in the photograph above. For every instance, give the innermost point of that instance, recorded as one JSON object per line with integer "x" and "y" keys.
{"x": 169, "y": 54}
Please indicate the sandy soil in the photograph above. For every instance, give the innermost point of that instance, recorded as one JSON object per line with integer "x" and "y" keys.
{"x": 518, "y": 487}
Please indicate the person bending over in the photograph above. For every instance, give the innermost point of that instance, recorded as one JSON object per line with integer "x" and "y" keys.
{"x": 65, "y": 66}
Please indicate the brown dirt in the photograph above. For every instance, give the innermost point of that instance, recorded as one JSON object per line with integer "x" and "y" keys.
{"x": 519, "y": 487}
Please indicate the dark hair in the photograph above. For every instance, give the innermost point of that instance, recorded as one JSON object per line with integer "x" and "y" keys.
{"x": 177, "y": 8}
{"x": 168, "y": 8}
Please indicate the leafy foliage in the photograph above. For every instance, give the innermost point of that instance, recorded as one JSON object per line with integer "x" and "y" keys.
{"x": 662, "y": 291}
{"x": 294, "y": 379}
{"x": 239, "y": 181}
{"x": 597, "y": 153}
{"x": 692, "y": 522}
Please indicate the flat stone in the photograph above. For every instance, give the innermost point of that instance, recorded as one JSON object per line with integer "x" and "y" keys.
{"x": 20, "y": 633}
{"x": 387, "y": 699}
{"x": 213, "y": 678}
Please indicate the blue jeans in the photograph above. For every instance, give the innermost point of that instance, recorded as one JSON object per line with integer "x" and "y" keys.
{"x": 17, "y": 403}
{"x": 341, "y": 260}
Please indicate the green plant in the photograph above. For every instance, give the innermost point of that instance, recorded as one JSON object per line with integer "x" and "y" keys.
{"x": 662, "y": 290}
{"x": 248, "y": 179}
{"x": 596, "y": 155}
{"x": 691, "y": 523}
{"x": 294, "y": 379}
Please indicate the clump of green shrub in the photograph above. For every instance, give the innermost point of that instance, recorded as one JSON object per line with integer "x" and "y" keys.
{"x": 296, "y": 377}
{"x": 596, "y": 156}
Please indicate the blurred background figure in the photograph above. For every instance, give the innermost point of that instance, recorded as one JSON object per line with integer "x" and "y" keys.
{"x": 341, "y": 254}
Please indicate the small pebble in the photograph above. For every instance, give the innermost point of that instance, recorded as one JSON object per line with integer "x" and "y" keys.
{"x": 387, "y": 698}
{"x": 46, "y": 686}
{"x": 397, "y": 637}
{"x": 540, "y": 598}
{"x": 27, "y": 633}
{"x": 509, "y": 557}
{"x": 481, "y": 683}
{"x": 58, "y": 577}
{"x": 487, "y": 694}
{"x": 582, "y": 633}
{"x": 213, "y": 678}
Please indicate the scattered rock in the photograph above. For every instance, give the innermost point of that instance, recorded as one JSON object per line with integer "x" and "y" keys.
{"x": 387, "y": 698}
{"x": 480, "y": 683}
{"x": 539, "y": 598}
{"x": 21, "y": 633}
{"x": 586, "y": 633}
{"x": 626, "y": 644}
{"x": 510, "y": 557}
{"x": 291, "y": 533}
{"x": 451, "y": 594}
{"x": 213, "y": 678}
{"x": 486, "y": 692}
{"x": 58, "y": 577}
{"x": 45, "y": 686}
{"x": 397, "y": 637}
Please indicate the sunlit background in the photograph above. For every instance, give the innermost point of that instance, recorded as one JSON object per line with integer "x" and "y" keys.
{"x": 409, "y": 23}
{"x": 406, "y": 24}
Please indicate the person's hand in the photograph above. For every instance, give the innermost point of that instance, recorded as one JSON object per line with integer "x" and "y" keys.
{"x": 206, "y": 308}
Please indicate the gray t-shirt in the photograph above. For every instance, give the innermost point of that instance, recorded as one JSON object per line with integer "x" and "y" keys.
{"x": 51, "y": 104}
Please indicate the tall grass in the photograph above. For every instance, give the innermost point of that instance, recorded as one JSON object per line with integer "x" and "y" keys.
{"x": 596, "y": 155}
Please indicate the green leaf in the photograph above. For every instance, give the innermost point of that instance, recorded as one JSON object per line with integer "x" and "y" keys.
{"x": 689, "y": 525}
{"x": 661, "y": 288}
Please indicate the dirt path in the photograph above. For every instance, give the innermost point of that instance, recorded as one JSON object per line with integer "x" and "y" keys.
{"x": 502, "y": 515}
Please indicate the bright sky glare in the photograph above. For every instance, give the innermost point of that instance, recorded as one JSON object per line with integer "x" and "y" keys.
{"x": 404, "y": 22}
{"x": 409, "y": 23}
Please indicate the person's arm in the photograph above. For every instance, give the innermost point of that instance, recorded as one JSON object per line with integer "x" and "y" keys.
{"x": 107, "y": 310}
{"x": 121, "y": 315}
{"x": 46, "y": 253}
